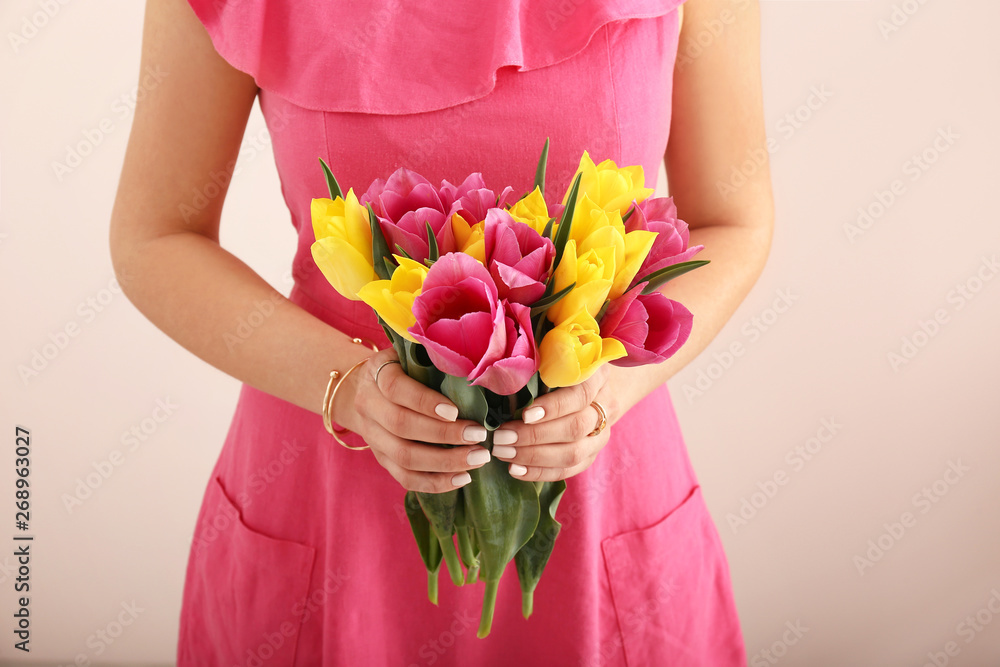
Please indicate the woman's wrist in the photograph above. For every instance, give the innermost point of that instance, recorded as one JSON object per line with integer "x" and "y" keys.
{"x": 338, "y": 402}
{"x": 626, "y": 386}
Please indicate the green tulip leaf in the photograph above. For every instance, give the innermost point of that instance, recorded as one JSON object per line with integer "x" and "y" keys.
{"x": 463, "y": 532}
{"x": 565, "y": 222}
{"x": 432, "y": 244}
{"x": 657, "y": 278}
{"x": 628, "y": 213}
{"x": 527, "y": 395}
{"x": 547, "y": 230}
{"x": 403, "y": 252}
{"x": 331, "y": 182}
{"x": 419, "y": 366}
{"x": 427, "y": 543}
{"x": 602, "y": 311}
{"x": 546, "y": 302}
{"x": 504, "y": 512}
{"x": 381, "y": 258}
{"x": 533, "y": 556}
{"x": 468, "y": 398}
{"x": 542, "y": 163}
{"x": 439, "y": 508}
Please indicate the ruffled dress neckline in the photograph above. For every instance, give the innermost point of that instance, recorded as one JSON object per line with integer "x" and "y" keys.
{"x": 403, "y": 58}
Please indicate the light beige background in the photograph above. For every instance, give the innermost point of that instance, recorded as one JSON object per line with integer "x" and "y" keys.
{"x": 818, "y": 356}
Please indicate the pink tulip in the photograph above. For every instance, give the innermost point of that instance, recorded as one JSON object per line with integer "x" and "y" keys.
{"x": 407, "y": 201}
{"x": 659, "y": 215}
{"x": 518, "y": 257}
{"x": 650, "y": 326}
{"x": 519, "y": 361}
{"x": 472, "y": 199}
{"x": 404, "y": 205}
{"x": 466, "y": 329}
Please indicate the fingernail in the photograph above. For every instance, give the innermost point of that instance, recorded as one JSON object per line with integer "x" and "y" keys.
{"x": 446, "y": 411}
{"x": 463, "y": 478}
{"x": 504, "y": 437}
{"x": 478, "y": 456}
{"x": 517, "y": 470}
{"x": 474, "y": 434}
{"x": 503, "y": 452}
{"x": 532, "y": 414}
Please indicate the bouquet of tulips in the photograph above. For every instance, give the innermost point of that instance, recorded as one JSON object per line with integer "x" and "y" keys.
{"x": 492, "y": 301}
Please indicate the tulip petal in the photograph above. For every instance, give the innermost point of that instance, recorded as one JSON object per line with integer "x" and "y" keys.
{"x": 343, "y": 266}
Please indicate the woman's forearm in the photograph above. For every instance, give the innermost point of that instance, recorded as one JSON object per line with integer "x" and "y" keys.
{"x": 186, "y": 131}
{"x": 717, "y": 121}
{"x": 198, "y": 294}
{"x": 712, "y": 293}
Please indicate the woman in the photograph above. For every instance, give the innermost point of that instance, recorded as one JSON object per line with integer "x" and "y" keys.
{"x": 302, "y": 554}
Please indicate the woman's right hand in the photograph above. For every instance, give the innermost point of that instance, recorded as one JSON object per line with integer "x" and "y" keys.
{"x": 399, "y": 416}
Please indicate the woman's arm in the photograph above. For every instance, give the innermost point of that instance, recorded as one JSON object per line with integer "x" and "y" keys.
{"x": 717, "y": 124}
{"x": 171, "y": 266}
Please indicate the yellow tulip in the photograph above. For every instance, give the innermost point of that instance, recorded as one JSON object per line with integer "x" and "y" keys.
{"x": 594, "y": 227}
{"x": 532, "y": 211}
{"x": 611, "y": 187}
{"x": 593, "y": 272}
{"x": 572, "y": 351}
{"x": 470, "y": 239}
{"x": 343, "y": 247}
{"x": 637, "y": 245}
{"x": 393, "y": 299}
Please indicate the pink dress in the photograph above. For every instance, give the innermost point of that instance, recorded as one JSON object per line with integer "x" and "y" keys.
{"x": 302, "y": 554}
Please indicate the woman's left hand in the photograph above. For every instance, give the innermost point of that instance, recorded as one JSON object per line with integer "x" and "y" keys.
{"x": 553, "y": 441}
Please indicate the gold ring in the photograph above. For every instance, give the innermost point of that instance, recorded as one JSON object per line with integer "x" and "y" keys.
{"x": 602, "y": 418}
{"x": 383, "y": 365}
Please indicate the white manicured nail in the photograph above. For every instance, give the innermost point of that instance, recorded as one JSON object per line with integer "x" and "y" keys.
{"x": 474, "y": 434}
{"x": 478, "y": 456}
{"x": 462, "y": 478}
{"x": 445, "y": 411}
{"x": 532, "y": 414}
{"x": 504, "y": 452}
{"x": 504, "y": 437}
{"x": 517, "y": 470}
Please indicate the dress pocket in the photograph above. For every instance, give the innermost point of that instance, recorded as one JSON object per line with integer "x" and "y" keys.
{"x": 671, "y": 591}
{"x": 244, "y": 592}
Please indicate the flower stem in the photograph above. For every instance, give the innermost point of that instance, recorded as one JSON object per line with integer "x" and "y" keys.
{"x": 432, "y": 585}
{"x": 468, "y": 555}
{"x": 451, "y": 560}
{"x": 527, "y": 603}
{"x": 489, "y": 603}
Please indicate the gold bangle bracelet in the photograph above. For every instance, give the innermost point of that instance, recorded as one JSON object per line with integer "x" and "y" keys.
{"x": 331, "y": 391}
{"x": 327, "y": 420}
{"x": 325, "y": 408}
{"x": 333, "y": 397}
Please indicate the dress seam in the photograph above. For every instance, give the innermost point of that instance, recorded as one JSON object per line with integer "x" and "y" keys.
{"x": 611, "y": 594}
{"x": 614, "y": 92}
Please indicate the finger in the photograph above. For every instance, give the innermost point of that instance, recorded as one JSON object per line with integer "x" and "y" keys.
{"x": 563, "y": 455}
{"x": 565, "y": 400}
{"x": 400, "y": 388}
{"x": 548, "y": 474}
{"x": 411, "y": 425}
{"x": 424, "y": 482}
{"x": 421, "y": 457}
{"x": 570, "y": 428}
